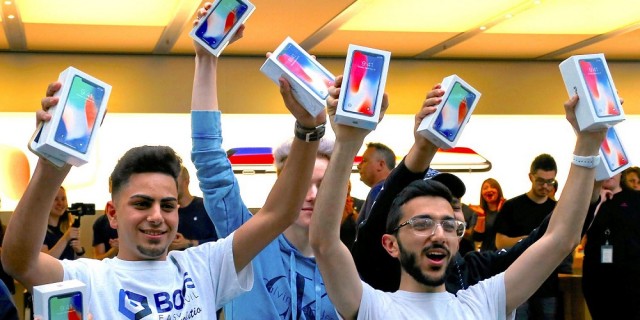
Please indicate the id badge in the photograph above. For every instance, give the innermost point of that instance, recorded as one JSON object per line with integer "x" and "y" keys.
{"x": 606, "y": 254}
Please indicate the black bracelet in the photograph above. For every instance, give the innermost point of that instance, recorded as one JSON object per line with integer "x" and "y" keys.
{"x": 309, "y": 134}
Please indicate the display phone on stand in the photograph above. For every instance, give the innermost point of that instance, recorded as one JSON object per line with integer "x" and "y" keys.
{"x": 365, "y": 76}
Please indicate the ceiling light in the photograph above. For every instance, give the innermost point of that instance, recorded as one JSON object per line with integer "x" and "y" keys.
{"x": 508, "y": 16}
{"x": 11, "y": 16}
{"x": 483, "y": 28}
{"x": 7, "y": 3}
{"x": 537, "y": 2}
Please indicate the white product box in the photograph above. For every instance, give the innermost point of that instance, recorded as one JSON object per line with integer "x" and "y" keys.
{"x": 444, "y": 126}
{"x": 365, "y": 75}
{"x": 588, "y": 76}
{"x": 61, "y": 299}
{"x": 613, "y": 157}
{"x": 309, "y": 80}
{"x": 213, "y": 30}
{"x": 71, "y": 133}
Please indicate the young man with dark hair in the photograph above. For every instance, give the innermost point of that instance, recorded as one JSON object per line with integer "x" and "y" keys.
{"x": 427, "y": 238}
{"x": 145, "y": 281}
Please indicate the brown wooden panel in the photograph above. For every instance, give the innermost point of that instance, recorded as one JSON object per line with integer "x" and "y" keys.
{"x": 622, "y": 47}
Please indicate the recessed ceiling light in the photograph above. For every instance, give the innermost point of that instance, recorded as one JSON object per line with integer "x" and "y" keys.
{"x": 536, "y": 2}
{"x": 483, "y": 28}
{"x": 508, "y": 16}
{"x": 7, "y": 3}
{"x": 11, "y": 16}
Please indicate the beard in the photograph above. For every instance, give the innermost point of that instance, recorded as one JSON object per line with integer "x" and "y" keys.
{"x": 410, "y": 266}
{"x": 151, "y": 252}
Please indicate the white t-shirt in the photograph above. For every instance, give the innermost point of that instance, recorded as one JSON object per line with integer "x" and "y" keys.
{"x": 190, "y": 284}
{"x": 485, "y": 300}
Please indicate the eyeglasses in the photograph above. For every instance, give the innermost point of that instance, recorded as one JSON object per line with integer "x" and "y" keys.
{"x": 425, "y": 226}
{"x": 541, "y": 182}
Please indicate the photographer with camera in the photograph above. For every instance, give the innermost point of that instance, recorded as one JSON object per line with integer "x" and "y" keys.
{"x": 62, "y": 240}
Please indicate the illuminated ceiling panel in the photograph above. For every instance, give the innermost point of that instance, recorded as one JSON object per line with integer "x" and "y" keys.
{"x": 623, "y": 47}
{"x": 45, "y": 37}
{"x": 96, "y": 12}
{"x": 572, "y": 17}
{"x": 516, "y": 46}
{"x": 405, "y": 45}
{"x": 427, "y": 15}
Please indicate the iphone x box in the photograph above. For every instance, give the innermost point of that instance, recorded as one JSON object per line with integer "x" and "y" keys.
{"x": 613, "y": 158}
{"x": 71, "y": 133}
{"x": 217, "y": 27}
{"x": 588, "y": 76}
{"x": 309, "y": 80}
{"x": 60, "y": 300}
{"x": 365, "y": 75}
{"x": 443, "y": 127}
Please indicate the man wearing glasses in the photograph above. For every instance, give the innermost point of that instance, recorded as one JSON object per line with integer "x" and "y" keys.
{"x": 518, "y": 217}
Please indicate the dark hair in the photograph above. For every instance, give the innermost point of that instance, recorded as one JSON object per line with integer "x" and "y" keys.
{"x": 145, "y": 159}
{"x": 625, "y": 173}
{"x": 417, "y": 188}
{"x": 385, "y": 152}
{"x": 494, "y": 183}
{"x": 544, "y": 162}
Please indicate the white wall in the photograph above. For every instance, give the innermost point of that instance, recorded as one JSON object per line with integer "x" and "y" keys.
{"x": 509, "y": 142}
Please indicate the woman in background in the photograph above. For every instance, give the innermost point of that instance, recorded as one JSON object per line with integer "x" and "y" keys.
{"x": 491, "y": 200}
{"x": 62, "y": 239}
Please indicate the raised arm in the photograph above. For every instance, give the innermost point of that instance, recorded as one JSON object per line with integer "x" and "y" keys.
{"x": 21, "y": 255}
{"x": 375, "y": 266}
{"x": 333, "y": 257}
{"x": 528, "y": 272}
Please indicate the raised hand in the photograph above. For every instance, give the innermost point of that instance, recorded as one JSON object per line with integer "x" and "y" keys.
{"x": 200, "y": 50}
{"x": 297, "y": 110}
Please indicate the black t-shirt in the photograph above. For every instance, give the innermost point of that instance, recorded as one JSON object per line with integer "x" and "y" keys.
{"x": 102, "y": 232}
{"x": 612, "y": 290}
{"x": 521, "y": 215}
{"x": 54, "y": 234}
{"x": 194, "y": 222}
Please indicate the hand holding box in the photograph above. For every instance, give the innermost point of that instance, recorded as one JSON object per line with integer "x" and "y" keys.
{"x": 60, "y": 300}
{"x": 217, "y": 27}
{"x": 444, "y": 126}
{"x": 365, "y": 76}
{"x": 309, "y": 80}
{"x": 70, "y": 134}
{"x": 588, "y": 76}
{"x": 613, "y": 157}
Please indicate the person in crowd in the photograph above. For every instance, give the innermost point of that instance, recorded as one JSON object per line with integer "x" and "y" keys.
{"x": 552, "y": 191}
{"x": 145, "y": 280}
{"x": 631, "y": 178}
{"x": 423, "y": 233}
{"x": 105, "y": 238}
{"x": 466, "y": 242}
{"x": 610, "y": 279}
{"x": 377, "y": 161}
{"x": 8, "y": 310}
{"x": 6, "y": 278}
{"x": 491, "y": 201}
{"x": 348, "y": 225}
{"x": 515, "y": 221}
{"x": 287, "y": 284}
{"x": 194, "y": 226}
{"x": 62, "y": 239}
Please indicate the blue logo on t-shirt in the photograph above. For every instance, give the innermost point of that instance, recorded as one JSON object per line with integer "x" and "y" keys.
{"x": 135, "y": 306}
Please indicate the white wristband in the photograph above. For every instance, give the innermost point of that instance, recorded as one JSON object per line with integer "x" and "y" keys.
{"x": 587, "y": 162}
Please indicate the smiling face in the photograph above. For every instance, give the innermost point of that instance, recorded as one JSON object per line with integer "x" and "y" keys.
{"x": 145, "y": 213}
{"x": 424, "y": 258}
{"x": 60, "y": 204}
{"x": 489, "y": 193}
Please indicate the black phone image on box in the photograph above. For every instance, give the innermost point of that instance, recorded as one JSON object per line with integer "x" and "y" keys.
{"x": 79, "y": 114}
{"x": 67, "y": 306}
{"x": 361, "y": 89}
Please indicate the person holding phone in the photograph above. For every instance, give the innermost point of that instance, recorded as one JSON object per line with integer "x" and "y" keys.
{"x": 145, "y": 281}
{"x": 423, "y": 233}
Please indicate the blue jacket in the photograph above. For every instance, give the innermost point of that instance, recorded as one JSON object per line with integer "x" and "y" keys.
{"x": 281, "y": 272}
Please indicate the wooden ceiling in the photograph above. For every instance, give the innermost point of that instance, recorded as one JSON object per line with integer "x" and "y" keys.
{"x": 415, "y": 29}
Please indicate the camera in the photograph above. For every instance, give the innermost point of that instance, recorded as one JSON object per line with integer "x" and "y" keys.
{"x": 81, "y": 209}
